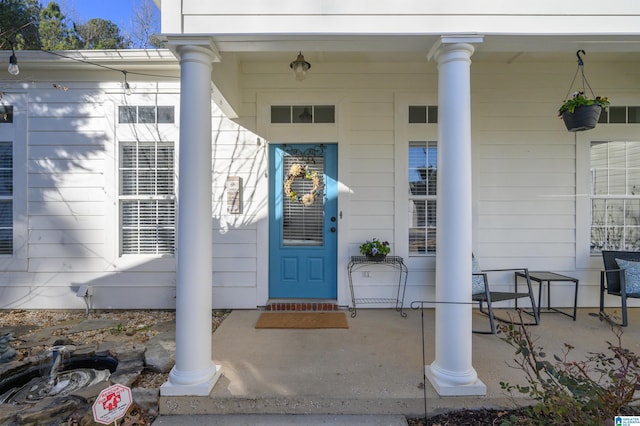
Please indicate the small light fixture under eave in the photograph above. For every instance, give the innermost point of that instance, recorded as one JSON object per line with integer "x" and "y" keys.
{"x": 125, "y": 85}
{"x": 300, "y": 67}
{"x": 13, "y": 63}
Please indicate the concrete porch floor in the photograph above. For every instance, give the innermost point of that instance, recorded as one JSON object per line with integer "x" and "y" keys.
{"x": 374, "y": 367}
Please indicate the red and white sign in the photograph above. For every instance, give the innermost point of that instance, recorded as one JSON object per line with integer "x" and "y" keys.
{"x": 112, "y": 404}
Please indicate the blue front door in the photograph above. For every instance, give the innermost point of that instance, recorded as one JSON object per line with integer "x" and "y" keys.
{"x": 303, "y": 225}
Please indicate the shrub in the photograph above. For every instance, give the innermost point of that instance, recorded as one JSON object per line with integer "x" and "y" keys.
{"x": 589, "y": 392}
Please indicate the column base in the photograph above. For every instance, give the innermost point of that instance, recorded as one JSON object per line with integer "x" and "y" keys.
{"x": 448, "y": 388}
{"x": 200, "y": 388}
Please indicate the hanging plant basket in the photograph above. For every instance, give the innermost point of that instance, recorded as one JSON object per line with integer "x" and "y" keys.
{"x": 583, "y": 118}
{"x": 581, "y": 112}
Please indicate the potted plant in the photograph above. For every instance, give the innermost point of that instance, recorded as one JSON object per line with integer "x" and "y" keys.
{"x": 375, "y": 249}
{"x": 582, "y": 113}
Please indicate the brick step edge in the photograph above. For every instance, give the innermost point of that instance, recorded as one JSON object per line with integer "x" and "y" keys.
{"x": 302, "y": 307}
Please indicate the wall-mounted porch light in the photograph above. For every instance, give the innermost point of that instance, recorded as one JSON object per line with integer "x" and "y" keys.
{"x": 300, "y": 67}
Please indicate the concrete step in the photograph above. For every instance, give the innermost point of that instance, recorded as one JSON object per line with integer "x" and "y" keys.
{"x": 281, "y": 420}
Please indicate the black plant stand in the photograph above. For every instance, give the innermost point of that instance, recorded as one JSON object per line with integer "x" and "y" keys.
{"x": 397, "y": 263}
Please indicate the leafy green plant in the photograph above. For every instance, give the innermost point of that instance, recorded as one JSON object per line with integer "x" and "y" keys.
{"x": 119, "y": 328}
{"x": 375, "y": 247}
{"x": 579, "y": 99}
{"x": 589, "y": 392}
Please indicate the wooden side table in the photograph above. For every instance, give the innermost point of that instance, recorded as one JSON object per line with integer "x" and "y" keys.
{"x": 545, "y": 276}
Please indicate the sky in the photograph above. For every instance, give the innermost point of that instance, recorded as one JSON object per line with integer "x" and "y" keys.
{"x": 119, "y": 12}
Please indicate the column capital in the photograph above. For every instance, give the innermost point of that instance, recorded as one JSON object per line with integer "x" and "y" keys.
{"x": 180, "y": 44}
{"x": 445, "y": 42}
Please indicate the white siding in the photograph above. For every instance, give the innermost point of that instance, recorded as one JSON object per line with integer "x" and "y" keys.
{"x": 409, "y": 17}
{"x": 237, "y": 152}
{"x": 524, "y": 163}
{"x": 526, "y": 180}
{"x": 70, "y": 167}
{"x": 64, "y": 128}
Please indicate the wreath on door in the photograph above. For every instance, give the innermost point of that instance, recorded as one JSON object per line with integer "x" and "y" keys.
{"x": 299, "y": 171}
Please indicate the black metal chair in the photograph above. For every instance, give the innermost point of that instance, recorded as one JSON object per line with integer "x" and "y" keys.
{"x": 613, "y": 281}
{"x": 483, "y": 294}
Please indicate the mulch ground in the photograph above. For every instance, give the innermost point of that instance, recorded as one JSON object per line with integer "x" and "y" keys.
{"x": 483, "y": 417}
{"x": 479, "y": 417}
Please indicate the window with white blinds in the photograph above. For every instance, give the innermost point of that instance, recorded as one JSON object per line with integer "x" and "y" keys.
{"x": 147, "y": 197}
{"x": 301, "y": 224}
{"x": 6, "y": 198}
{"x": 615, "y": 196}
{"x": 423, "y": 173}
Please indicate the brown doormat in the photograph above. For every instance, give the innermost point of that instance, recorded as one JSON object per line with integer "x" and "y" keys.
{"x": 302, "y": 320}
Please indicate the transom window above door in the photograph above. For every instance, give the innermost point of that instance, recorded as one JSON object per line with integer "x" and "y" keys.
{"x": 146, "y": 114}
{"x": 303, "y": 114}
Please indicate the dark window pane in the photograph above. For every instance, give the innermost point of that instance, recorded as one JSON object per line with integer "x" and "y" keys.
{"x": 166, "y": 114}
{"x": 280, "y": 114}
{"x": 324, "y": 114}
{"x": 432, "y": 114}
{"x": 126, "y": 114}
{"x": 634, "y": 114}
{"x": 617, "y": 114}
{"x": 6, "y": 182}
{"x": 604, "y": 116}
{"x": 417, "y": 240}
{"x": 6, "y": 241}
{"x": 6, "y": 155}
{"x": 6, "y": 113}
{"x": 431, "y": 240}
{"x": 302, "y": 114}
{"x": 147, "y": 115}
{"x": 6, "y": 214}
{"x": 6, "y": 168}
{"x": 417, "y": 114}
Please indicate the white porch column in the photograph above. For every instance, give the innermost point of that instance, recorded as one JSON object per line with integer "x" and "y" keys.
{"x": 451, "y": 373}
{"x": 194, "y": 372}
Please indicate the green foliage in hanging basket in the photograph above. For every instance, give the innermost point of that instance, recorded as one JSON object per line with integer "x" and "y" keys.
{"x": 578, "y": 99}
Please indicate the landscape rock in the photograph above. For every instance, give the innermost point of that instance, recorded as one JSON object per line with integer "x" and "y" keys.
{"x": 7, "y": 352}
{"x": 147, "y": 399}
{"x": 161, "y": 352}
{"x": 47, "y": 410}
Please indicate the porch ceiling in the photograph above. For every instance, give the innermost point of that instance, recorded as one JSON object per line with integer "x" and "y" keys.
{"x": 414, "y": 48}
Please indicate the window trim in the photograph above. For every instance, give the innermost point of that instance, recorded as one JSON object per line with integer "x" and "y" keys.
{"x": 405, "y": 132}
{"x": 305, "y": 133}
{"x": 126, "y": 131}
{"x": 584, "y": 258}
